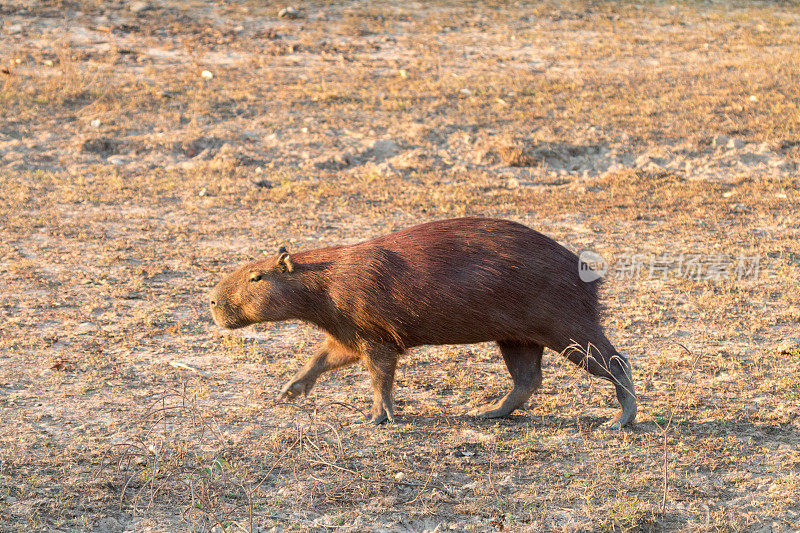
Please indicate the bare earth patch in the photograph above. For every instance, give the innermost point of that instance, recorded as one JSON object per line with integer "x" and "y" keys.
{"x": 130, "y": 182}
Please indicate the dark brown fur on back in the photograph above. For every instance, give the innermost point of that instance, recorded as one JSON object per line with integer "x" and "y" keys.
{"x": 455, "y": 282}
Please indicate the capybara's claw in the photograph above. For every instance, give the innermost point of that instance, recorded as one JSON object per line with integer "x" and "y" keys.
{"x": 614, "y": 424}
{"x": 503, "y": 407}
{"x": 292, "y": 390}
{"x": 621, "y": 420}
{"x": 486, "y": 413}
{"x": 378, "y": 419}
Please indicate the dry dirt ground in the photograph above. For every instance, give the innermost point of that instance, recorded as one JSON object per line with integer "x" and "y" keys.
{"x": 665, "y": 137}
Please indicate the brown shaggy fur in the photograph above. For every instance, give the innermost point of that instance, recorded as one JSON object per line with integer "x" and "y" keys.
{"x": 453, "y": 281}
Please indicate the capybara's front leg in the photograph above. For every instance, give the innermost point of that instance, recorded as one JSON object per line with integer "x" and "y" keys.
{"x": 381, "y": 363}
{"x": 332, "y": 354}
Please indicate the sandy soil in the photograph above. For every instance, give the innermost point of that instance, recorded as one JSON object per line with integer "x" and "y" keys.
{"x": 147, "y": 148}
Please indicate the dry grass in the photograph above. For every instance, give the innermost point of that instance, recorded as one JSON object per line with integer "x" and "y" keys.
{"x": 130, "y": 184}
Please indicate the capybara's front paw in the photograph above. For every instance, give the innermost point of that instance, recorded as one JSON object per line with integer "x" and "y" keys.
{"x": 378, "y": 419}
{"x": 295, "y": 388}
{"x": 380, "y": 415}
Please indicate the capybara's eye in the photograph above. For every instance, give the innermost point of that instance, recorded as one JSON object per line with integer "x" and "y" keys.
{"x": 255, "y": 276}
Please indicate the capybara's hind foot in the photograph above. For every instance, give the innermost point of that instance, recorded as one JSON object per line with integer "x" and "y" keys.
{"x": 620, "y": 369}
{"x": 503, "y": 407}
{"x": 626, "y": 415}
{"x": 492, "y": 411}
{"x": 613, "y": 424}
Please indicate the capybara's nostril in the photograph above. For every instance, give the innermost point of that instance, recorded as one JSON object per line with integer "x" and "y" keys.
{"x": 213, "y": 303}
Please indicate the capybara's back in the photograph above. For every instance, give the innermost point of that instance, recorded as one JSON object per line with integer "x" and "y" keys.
{"x": 464, "y": 281}
{"x": 453, "y": 281}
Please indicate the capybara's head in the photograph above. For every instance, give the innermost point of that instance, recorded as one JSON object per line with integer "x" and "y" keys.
{"x": 256, "y": 292}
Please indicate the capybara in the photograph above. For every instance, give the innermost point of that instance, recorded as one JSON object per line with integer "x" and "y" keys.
{"x": 457, "y": 281}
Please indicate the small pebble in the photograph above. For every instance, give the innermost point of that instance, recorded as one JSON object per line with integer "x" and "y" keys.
{"x": 206, "y": 74}
{"x": 139, "y": 7}
{"x": 735, "y": 143}
{"x": 95, "y": 123}
{"x": 289, "y": 12}
{"x": 720, "y": 141}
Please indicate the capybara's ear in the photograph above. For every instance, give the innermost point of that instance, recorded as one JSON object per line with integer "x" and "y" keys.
{"x": 285, "y": 262}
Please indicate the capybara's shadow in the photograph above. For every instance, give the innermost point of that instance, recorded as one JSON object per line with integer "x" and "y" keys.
{"x": 682, "y": 427}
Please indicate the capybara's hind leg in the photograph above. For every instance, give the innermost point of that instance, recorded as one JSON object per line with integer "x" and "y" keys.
{"x": 524, "y": 362}
{"x": 381, "y": 363}
{"x": 621, "y": 372}
{"x": 603, "y": 361}
{"x": 332, "y": 354}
